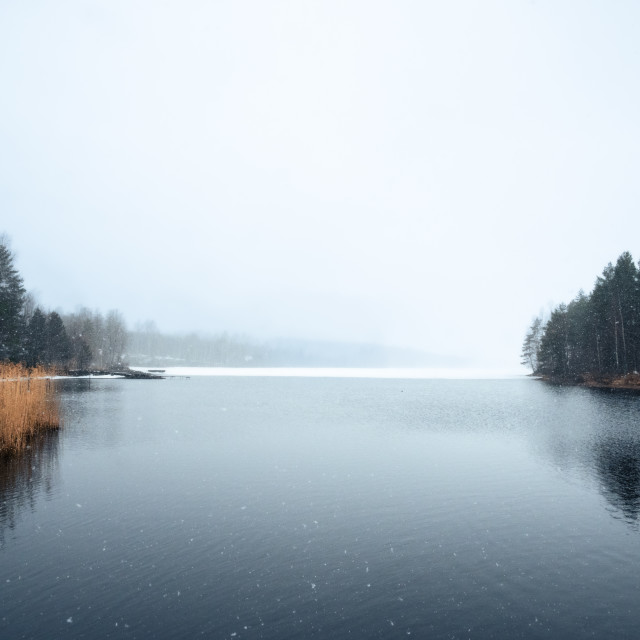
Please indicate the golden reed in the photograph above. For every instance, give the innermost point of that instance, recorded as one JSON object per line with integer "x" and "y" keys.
{"x": 28, "y": 405}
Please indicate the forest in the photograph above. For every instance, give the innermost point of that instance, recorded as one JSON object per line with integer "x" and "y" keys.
{"x": 90, "y": 340}
{"x": 594, "y": 337}
{"x": 34, "y": 336}
{"x": 87, "y": 340}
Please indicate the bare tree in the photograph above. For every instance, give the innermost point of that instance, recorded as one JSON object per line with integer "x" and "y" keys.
{"x": 531, "y": 344}
{"x": 115, "y": 338}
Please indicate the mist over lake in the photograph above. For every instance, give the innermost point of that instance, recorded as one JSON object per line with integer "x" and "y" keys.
{"x": 417, "y": 175}
{"x": 290, "y": 507}
{"x": 263, "y": 189}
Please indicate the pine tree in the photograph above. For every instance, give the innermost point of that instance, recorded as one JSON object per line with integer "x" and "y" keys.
{"x": 625, "y": 280}
{"x": 580, "y": 337}
{"x": 12, "y": 294}
{"x": 553, "y": 355}
{"x": 58, "y": 343}
{"x": 596, "y": 334}
{"x": 36, "y": 339}
{"x": 531, "y": 345}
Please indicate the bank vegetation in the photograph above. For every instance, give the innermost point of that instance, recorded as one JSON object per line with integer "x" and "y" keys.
{"x": 595, "y": 339}
{"x": 28, "y": 405}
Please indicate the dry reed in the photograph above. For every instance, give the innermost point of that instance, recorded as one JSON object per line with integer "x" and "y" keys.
{"x": 28, "y": 405}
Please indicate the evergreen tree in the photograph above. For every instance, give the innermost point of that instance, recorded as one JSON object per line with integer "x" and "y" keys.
{"x": 12, "y": 294}
{"x": 58, "y": 343}
{"x": 602, "y": 303}
{"x": 553, "y": 353}
{"x": 531, "y": 345}
{"x": 579, "y": 336}
{"x": 598, "y": 334}
{"x": 625, "y": 281}
{"x": 36, "y": 339}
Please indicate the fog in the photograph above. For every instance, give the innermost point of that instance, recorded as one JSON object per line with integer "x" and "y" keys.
{"x": 413, "y": 174}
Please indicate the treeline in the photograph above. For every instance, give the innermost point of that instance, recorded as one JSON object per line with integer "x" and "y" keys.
{"x": 88, "y": 339}
{"x": 149, "y": 347}
{"x": 595, "y": 335}
{"x": 33, "y": 336}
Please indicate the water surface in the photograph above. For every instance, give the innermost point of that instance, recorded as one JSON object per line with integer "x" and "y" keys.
{"x": 262, "y": 507}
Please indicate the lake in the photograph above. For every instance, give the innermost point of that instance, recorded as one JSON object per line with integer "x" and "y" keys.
{"x": 298, "y": 507}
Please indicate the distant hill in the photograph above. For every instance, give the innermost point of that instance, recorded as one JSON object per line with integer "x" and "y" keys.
{"x": 312, "y": 353}
{"x": 155, "y": 349}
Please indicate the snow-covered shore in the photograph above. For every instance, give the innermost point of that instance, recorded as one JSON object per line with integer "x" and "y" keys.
{"x": 337, "y": 372}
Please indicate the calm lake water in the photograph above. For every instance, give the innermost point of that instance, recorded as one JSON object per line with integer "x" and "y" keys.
{"x": 233, "y": 507}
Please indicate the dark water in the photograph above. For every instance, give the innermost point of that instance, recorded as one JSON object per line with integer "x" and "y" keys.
{"x": 334, "y": 508}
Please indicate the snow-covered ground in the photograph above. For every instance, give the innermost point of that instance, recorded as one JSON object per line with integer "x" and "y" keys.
{"x": 322, "y": 372}
{"x": 106, "y": 376}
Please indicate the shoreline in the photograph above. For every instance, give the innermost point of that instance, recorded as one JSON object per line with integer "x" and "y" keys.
{"x": 28, "y": 406}
{"x": 629, "y": 382}
{"x": 340, "y": 372}
{"x": 128, "y": 373}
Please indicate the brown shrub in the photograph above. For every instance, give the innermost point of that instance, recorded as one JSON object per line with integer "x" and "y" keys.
{"x": 28, "y": 405}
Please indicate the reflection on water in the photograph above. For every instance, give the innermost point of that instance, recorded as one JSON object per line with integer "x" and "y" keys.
{"x": 76, "y": 385}
{"x": 295, "y": 508}
{"x": 591, "y": 435}
{"x": 83, "y": 398}
{"x": 27, "y": 477}
{"x": 618, "y": 467}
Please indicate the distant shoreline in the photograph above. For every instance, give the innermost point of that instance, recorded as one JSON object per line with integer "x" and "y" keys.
{"x": 127, "y": 373}
{"x": 401, "y": 373}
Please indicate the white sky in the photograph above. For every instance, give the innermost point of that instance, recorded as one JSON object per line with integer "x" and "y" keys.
{"x": 427, "y": 174}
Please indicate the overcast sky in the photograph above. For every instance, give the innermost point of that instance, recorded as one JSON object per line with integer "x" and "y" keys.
{"x": 413, "y": 173}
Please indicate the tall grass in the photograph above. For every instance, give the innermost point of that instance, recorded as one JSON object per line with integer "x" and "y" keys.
{"x": 28, "y": 405}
